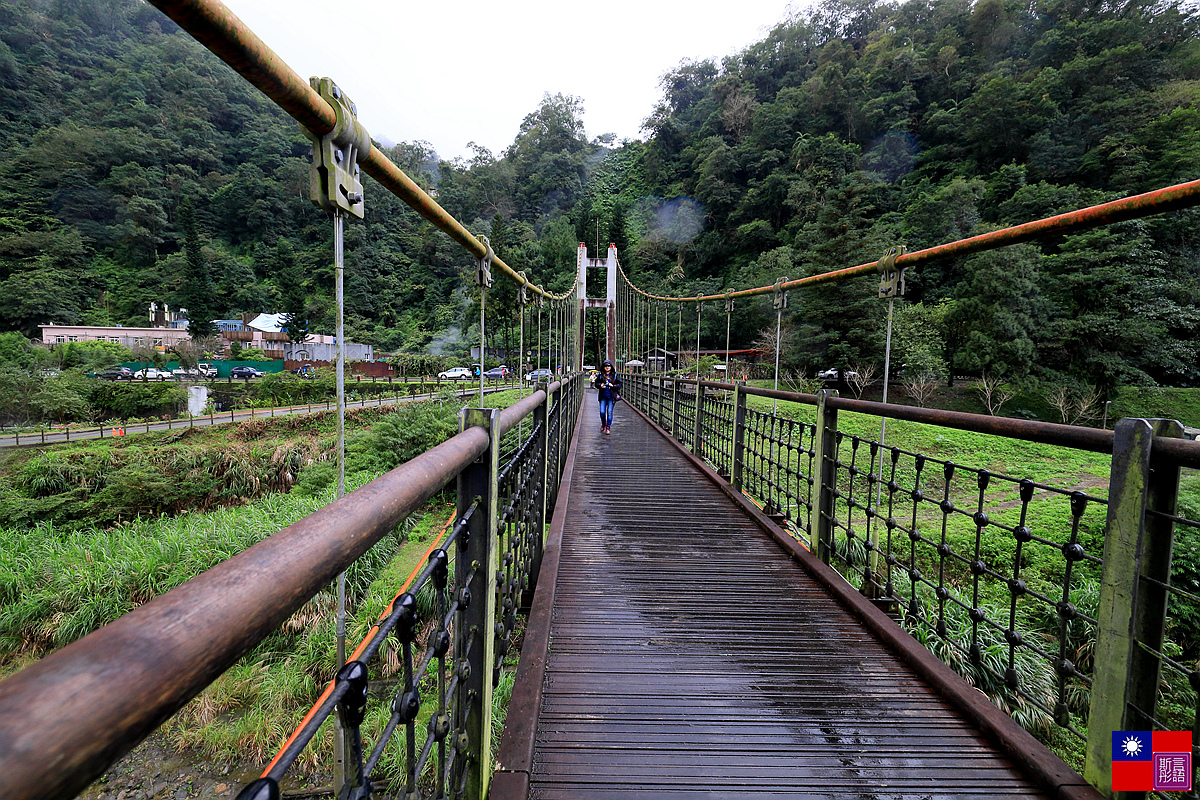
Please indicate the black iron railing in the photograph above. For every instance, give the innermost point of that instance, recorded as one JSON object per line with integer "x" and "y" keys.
{"x": 1054, "y": 601}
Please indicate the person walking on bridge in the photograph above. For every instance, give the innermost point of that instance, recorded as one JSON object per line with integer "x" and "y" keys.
{"x": 608, "y": 386}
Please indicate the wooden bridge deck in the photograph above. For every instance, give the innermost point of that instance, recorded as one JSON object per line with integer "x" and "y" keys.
{"x": 689, "y": 656}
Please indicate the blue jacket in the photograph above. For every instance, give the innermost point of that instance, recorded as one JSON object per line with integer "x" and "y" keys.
{"x": 610, "y": 392}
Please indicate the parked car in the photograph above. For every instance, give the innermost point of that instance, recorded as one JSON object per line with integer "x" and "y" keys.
{"x": 115, "y": 374}
{"x": 539, "y": 375}
{"x": 832, "y": 374}
{"x": 456, "y": 374}
{"x": 152, "y": 374}
{"x": 497, "y": 373}
{"x": 245, "y": 372}
{"x": 202, "y": 370}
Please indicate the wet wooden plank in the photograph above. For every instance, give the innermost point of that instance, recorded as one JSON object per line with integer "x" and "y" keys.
{"x": 690, "y": 658}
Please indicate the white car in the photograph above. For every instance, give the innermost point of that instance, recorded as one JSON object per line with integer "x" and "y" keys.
{"x": 455, "y": 374}
{"x": 831, "y": 374}
{"x": 202, "y": 370}
{"x": 152, "y": 374}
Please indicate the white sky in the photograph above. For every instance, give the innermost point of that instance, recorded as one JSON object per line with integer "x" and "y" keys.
{"x": 467, "y": 71}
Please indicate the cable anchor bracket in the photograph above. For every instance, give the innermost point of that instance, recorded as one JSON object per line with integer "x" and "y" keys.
{"x": 483, "y": 267}
{"x": 780, "y": 301}
{"x": 334, "y": 179}
{"x": 523, "y": 298}
{"x": 891, "y": 280}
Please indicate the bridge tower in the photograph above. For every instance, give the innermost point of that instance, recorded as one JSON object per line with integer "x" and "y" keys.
{"x": 608, "y": 303}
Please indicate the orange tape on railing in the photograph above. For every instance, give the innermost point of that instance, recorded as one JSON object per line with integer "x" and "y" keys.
{"x": 361, "y": 645}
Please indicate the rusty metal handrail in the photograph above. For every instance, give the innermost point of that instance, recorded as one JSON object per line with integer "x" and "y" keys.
{"x": 1171, "y": 198}
{"x": 212, "y": 24}
{"x": 66, "y": 718}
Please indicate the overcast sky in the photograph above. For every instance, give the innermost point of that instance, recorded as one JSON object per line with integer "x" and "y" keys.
{"x": 454, "y": 72}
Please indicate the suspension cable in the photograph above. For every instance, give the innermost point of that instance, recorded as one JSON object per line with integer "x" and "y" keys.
{"x": 213, "y": 25}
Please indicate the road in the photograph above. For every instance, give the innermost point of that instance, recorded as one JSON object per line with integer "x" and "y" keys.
{"x": 35, "y": 439}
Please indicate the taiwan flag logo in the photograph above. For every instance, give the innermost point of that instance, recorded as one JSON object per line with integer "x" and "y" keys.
{"x": 1144, "y": 761}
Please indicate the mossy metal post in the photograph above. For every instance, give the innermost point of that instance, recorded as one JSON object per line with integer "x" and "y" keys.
{"x": 476, "y": 566}
{"x": 737, "y": 454}
{"x": 1131, "y": 618}
{"x": 541, "y": 416}
{"x": 824, "y": 472}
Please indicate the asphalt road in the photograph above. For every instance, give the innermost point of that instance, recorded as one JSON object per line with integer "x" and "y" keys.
{"x": 54, "y": 437}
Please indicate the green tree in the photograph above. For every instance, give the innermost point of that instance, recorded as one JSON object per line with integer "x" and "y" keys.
{"x": 197, "y": 294}
{"x": 919, "y": 339}
{"x": 60, "y": 399}
{"x": 548, "y": 158}
{"x": 290, "y": 280}
{"x": 1117, "y": 318}
{"x": 997, "y": 313}
{"x": 15, "y": 350}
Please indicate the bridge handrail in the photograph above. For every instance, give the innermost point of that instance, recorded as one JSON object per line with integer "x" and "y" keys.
{"x": 211, "y": 23}
{"x": 907, "y": 530}
{"x": 68, "y": 717}
{"x": 1182, "y": 452}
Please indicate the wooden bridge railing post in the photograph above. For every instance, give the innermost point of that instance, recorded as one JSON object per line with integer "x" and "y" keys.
{"x": 480, "y": 556}
{"x": 698, "y": 426}
{"x": 655, "y": 401}
{"x": 541, "y": 416}
{"x": 675, "y": 408}
{"x": 739, "y": 439}
{"x": 825, "y": 479}
{"x": 1131, "y": 619}
{"x": 553, "y": 402}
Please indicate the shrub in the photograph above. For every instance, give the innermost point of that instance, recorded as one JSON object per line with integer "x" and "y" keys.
{"x": 315, "y": 477}
{"x": 412, "y": 430}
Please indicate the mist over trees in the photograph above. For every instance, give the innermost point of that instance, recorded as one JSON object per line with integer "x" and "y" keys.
{"x": 851, "y": 127}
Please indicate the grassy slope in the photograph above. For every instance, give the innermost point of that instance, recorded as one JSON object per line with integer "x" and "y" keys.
{"x": 59, "y": 583}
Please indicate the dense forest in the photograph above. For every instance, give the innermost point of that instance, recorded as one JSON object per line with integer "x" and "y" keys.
{"x": 138, "y": 168}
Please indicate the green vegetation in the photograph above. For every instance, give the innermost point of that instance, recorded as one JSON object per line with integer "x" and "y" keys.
{"x": 139, "y": 169}
{"x": 88, "y": 534}
{"x": 106, "y": 482}
{"x": 1056, "y": 473}
{"x": 41, "y": 386}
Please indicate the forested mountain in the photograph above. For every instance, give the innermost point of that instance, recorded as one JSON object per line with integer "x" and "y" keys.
{"x": 852, "y": 126}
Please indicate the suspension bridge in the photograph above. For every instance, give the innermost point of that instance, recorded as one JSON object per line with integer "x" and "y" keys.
{"x": 723, "y": 600}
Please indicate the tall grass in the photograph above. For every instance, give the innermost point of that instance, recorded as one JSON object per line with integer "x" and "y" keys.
{"x": 59, "y": 582}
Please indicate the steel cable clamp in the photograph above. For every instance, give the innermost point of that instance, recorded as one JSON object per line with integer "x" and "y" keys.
{"x": 891, "y": 280}
{"x": 483, "y": 267}
{"x": 523, "y": 290}
{"x": 781, "y": 297}
{"x": 333, "y": 179}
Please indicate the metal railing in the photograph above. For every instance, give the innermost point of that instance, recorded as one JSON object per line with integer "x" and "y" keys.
{"x": 1055, "y": 601}
{"x": 65, "y": 719}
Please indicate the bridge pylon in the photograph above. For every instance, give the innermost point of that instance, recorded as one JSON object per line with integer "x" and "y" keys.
{"x": 608, "y": 302}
